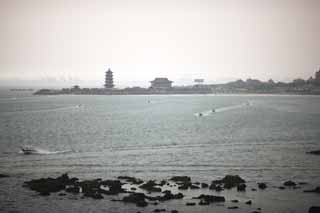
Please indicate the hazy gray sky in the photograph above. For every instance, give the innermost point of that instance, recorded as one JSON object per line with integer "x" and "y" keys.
{"x": 75, "y": 41}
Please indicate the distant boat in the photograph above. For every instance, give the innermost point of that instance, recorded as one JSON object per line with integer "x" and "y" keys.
{"x": 213, "y": 110}
{"x": 200, "y": 114}
{"x": 29, "y": 150}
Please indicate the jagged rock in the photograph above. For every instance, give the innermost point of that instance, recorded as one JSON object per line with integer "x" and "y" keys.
{"x": 203, "y": 203}
{"x": 185, "y": 186}
{"x": 115, "y": 186}
{"x": 314, "y": 209}
{"x": 211, "y": 198}
{"x": 289, "y": 183}
{"x": 150, "y": 186}
{"x": 73, "y": 189}
{"x": 181, "y": 179}
{"x": 262, "y": 185}
{"x": 136, "y": 198}
{"x": 167, "y": 196}
{"x": 241, "y": 187}
{"x": 229, "y": 181}
{"x": 314, "y": 152}
{"x": 316, "y": 190}
{"x": 131, "y": 179}
{"x": 233, "y": 207}
{"x": 249, "y": 202}
{"x": 3, "y": 176}
{"x": 190, "y": 204}
{"x": 159, "y": 210}
{"x": 90, "y": 187}
{"x": 45, "y": 186}
{"x": 194, "y": 187}
{"x": 204, "y": 185}
{"x": 216, "y": 187}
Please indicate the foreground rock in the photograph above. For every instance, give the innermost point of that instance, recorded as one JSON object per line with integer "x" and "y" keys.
{"x": 228, "y": 182}
{"x": 314, "y": 152}
{"x": 316, "y": 190}
{"x": 210, "y": 198}
{"x": 136, "y": 198}
{"x": 3, "y": 176}
{"x": 314, "y": 209}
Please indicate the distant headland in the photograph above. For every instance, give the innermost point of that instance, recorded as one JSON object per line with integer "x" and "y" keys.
{"x": 163, "y": 85}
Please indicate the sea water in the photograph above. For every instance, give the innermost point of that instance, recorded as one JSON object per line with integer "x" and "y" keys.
{"x": 259, "y": 137}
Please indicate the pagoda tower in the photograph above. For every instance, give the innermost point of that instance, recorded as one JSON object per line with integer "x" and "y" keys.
{"x": 109, "y": 80}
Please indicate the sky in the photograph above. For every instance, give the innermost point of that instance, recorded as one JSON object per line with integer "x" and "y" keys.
{"x": 67, "y": 42}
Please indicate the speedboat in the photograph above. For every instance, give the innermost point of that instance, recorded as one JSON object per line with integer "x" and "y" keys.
{"x": 28, "y": 150}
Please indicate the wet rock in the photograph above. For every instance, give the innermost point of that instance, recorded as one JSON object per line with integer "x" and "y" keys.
{"x": 115, "y": 186}
{"x": 249, "y": 202}
{"x": 45, "y": 186}
{"x": 281, "y": 187}
{"x": 62, "y": 194}
{"x": 262, "y": 185}
{"x": 253, "y": 189}
{"x": 174, "y": 211}
{"x": 204, "y": 185}
{"x": 90, "y": 187}
{"x": 163, "y": 182}
{"x": 211, "y": 198}
{"x": 93, "y": 194}
{"x": 190, "y": 204}
{"x": 216, "y": 187}
{"x": 3, "y": 176}
{"x": 203, "y": 203}
{"x": 131, "y": 179}
{"x": 136, "y": 198}
{"x": 150, "y": 186}
{"x": 241, "y": 187}
{"x": 302, "y": 183}
{"x": 233, "y": 207}
{"x": 289, "y": 183}
{"x": 194, "y": 187}
{"x": 159, "y": 210}
{"x": 230, "y": 181}
{"x": 73, "y": 189}
{"x": 133, "y": 188}
{"x": 314, "y": 152}
{"x": 185, "y": 186}
{"x": 167, "y": 196}
{"x": 181, "y": 179}
{"x": 234, "y": 201}
{"x": 316, "y": 190}
{"x": 314, "y": 209}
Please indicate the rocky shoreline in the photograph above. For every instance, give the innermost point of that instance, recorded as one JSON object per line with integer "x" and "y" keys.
{"x": 142, "y": 193}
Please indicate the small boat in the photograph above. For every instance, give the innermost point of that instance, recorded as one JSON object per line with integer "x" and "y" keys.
{"x": 200, "y": 114}
{"x": 28, "y": 150}
{"x": 213, "y": 110}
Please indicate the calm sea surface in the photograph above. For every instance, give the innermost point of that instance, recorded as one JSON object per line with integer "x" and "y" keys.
{"x": 259, "y": 137}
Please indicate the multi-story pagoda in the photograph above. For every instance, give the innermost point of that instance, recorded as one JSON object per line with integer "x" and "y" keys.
{"x": 109, "y": 80}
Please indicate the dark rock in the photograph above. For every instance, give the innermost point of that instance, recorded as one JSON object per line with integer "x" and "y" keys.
{"x": 163, "y": 182}
{"x": 229, "y": 181}
{"x": 204, "y": 185}
{"x": 302, "y": 183}
{"x": 45, "y": 186}
{"x": 253, "y": 189}
{"x": 234, "y": 201}
{"x": 115, "y": 186}
{"x": 137, "y": 198}
{"x": 249, "y": 202}
{"x": 62, "y": 194}
{"x": 133, "y": 188}
{"x": 196, "y": 183}
{"x": 282, "y": 187}
{"x": 289, "y": 183}
{"x": 314, "y": 209}
{"x": 262, "y": 185}
{"x": 314, "y": 152}
{"x": 181, "y": 179}
{"x": 211, "y": 198}
{"x": 233, "y": 207}
{"x": 3, "y": 176}
{"x": 95, "y": 195}
{"x": 90, "y": 187}
{"x": 73, "y": 189}
{"x": 316, "y": 190}
{"x": 185, "y": 186}
{"x": 190, "y": 204}
{"x": 241, "y": 187}
{"x": 194, "y": 187}
{"x": 216, "y": 187}
{"x": 131, "y": 179}
{"x": 174, "y": 211}
{"x": 159, "y": 210}
{"x": 203, "y": 203}
{"x": 150, "y": 186}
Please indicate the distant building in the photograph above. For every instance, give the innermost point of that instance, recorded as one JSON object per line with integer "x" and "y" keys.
{"x": 161, "y": 83}
{"x": 109, "y": 80}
